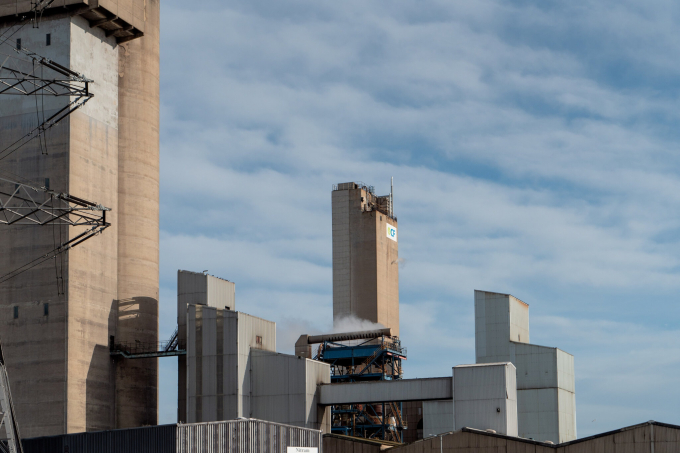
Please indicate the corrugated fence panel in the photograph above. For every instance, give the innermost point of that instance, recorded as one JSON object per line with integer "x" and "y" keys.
{"x": 154, "y": 439}
{"x": 233, "y": 436}
{"x": 244, "y": 436}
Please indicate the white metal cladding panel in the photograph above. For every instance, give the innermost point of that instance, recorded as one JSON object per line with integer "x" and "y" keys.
{"x": 380, "y": 391}
{"x": 511, "y": 382}
{"x": 244, "y": 436}
{"x": 519, "y": 320}
{"x": 221, "y": 293}
{"x": 492, "y": 327}
{"x": 317, "y": 417}
{"x": 482, "y": 414}
{"x": 565, "y": 371}
{"x": 437, "y": 417}
{"x": 536, "y": 366}
{"x": 279, "y": 387}
{"x": 154, "y": 439}
{"x": 538, "y": 416}
{"x": 480, "y": 382}
{"x": 511, "y": 418}
{"x": 566, "y": 403}
{"x": 249, "y": 329}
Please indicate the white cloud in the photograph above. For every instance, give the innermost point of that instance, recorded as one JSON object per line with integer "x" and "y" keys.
{"x": 533, "y": 148}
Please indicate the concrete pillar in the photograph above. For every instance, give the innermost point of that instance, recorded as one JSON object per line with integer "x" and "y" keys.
{"x": 138, "y": 205}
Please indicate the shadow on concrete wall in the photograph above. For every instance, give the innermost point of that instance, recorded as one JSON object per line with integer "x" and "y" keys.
{"x": 137, "y": 379}
{"x": 100, "y": 384}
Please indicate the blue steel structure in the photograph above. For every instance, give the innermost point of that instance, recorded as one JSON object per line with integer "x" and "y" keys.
{"x": 374, "y": 359}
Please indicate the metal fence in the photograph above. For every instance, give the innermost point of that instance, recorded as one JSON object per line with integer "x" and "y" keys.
{"x": 244, "y": 436}
{"x": 153, "y": 439}
{"x": 232, "y": 436}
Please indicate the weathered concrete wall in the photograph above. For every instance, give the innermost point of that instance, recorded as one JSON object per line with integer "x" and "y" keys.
{"x": 106, "y": 152}
{"x": 365, "y": 260}
{"x": 64, "y": 369}
{"x": 138, "y": 218}
{"x": 34, "y": 344}
{"x": 92, "y": 289}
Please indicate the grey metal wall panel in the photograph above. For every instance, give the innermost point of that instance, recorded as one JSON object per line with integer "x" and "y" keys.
{"x": 221, "y": 293}
{"x": 244, "y": 436}
{"x": 565, "y": 371}
{"x": 485, "y": 397}
{"x": 475, "y": 382}
{"x": 536, "y": 365}
{"x": 538, "y": 414}
{"x": 233, "y": 436}
{"x": 380, "y": 391}
{"x": 154, "y": 439}
{"x": 284, "y": 389}
{"x": 437, "y": 417}
{"x": 566, "y": 406}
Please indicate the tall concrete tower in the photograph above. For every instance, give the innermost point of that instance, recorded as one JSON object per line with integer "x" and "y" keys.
{"x": 365, "y": 256}
{"x": 56, "y": 320}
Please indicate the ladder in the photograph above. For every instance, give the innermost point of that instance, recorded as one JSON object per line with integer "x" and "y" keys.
{"x": 8, "y": 421}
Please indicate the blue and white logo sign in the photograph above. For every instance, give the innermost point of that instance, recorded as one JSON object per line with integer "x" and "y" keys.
{"x": 392, "y": 232}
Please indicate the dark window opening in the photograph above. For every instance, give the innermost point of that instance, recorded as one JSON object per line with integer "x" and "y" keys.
{"x": 16, "y": 312}
{"x": 18, "y": 43}
{"x": 258, "y": 340}
{"x": 48, "y": 39}
{"x": 47, "y": 183}
{"x": 46, "y": 309}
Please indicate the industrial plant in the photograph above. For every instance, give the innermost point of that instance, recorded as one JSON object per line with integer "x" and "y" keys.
{"x": 79, "y": 292}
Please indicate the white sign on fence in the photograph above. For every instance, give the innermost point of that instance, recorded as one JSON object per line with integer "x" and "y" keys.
{"x": 302, "y": 450}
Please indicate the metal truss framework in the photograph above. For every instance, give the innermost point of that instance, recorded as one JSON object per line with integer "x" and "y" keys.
{"x": 21, "y": 204}
{"x": 66, "y": 83}
{"x": 375, "y": 359}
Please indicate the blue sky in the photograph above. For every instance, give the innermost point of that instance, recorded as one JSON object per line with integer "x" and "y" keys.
{"x": 533, "y": 146}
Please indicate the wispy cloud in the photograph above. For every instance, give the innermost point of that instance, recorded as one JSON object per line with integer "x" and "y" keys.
{"x": 533, "y": 146}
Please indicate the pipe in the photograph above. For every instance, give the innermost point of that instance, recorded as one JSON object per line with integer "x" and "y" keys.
{"x": 361, "y": 335}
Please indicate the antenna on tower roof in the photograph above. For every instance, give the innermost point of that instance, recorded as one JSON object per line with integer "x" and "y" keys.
{"x": 392, "y": 197}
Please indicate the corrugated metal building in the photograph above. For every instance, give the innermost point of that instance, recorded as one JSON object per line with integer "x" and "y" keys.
{"x": 649, "y": 437}
{"x": 233, "y": 436}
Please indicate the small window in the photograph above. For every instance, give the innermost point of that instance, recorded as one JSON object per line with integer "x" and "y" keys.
{"x": 258, "y": 340}
{"x": 48, "y": 39}
{"x": 16, "y": 311}
{"x": 47, "y": 183}
{"x": 46, "y": 309}
{"x": 18, "y": 43}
